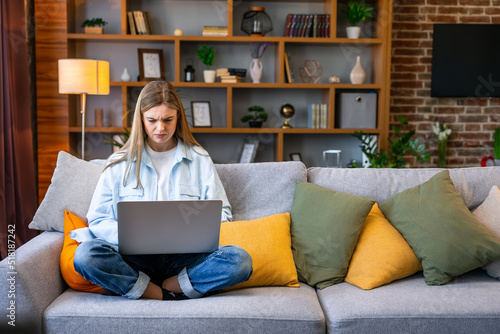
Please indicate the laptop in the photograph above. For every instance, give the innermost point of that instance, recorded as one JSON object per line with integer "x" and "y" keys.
{"x": 168, "y": 227}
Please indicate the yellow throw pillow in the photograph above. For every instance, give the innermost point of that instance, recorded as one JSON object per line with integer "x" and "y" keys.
{"x": 268, "y": 242}
{"x": 381, "y": 255}
{"x": 72, "y": 278}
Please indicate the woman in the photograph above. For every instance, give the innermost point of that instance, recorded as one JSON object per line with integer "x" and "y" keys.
{"x": 160, "y": 161}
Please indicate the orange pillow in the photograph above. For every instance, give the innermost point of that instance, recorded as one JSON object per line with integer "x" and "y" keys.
{"x": 269, "y": 243}
{"x": 72, "y": 278}
{"x": 381, "y": 255}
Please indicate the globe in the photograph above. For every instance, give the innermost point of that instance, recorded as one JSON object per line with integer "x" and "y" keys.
{"x": 286, "y": 111}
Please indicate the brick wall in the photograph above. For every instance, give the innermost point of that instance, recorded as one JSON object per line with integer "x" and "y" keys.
{"x": 472, "y": 120}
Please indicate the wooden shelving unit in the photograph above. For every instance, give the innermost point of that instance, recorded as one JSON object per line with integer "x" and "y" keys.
{"x": 74, "y": 44}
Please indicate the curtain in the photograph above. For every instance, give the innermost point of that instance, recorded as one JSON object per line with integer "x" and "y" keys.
{"x": 18, "y": 193}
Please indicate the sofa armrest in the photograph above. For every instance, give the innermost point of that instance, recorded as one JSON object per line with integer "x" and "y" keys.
{"x": 30, "y": 281}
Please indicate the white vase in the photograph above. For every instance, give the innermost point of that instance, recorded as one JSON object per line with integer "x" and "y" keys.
{"x": 209, "y": 76}
{"x": 353, "y": 32}
{"x": 358, "y": 73}
{"x": 256, "y": 70}
{"x": 125, "y": 75}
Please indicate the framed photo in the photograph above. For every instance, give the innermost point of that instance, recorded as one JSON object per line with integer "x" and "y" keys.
{"x": 248, "y": 151}
{"x": 202, "y": 117}
{"x": 295, "y": 157}
{"x": 151, "y": 64}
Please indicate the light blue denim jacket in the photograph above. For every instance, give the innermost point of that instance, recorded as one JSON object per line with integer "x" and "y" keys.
{"x": 193, "y": 177}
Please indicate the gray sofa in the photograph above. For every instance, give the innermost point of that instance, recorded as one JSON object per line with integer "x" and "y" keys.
{"x": 469, "y": 304}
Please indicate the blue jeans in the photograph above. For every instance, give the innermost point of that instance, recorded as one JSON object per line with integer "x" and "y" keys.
{"x": 99, "y": 262}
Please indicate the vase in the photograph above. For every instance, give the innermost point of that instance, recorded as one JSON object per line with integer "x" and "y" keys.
{"x": 353, "y": 32}
{"x": 125, "y": 75}
{"x": 256, "y": 70}
{"x": 358, "y": 73}
{"x": 442, "y": 153}
{"x": 209, "y": 76}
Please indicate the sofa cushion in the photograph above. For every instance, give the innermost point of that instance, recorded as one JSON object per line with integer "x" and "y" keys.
{"x": 473, "y": 184}
{"x": 325, "y": 227}
{"x": 251, "y": 310}
{"x": 488, "y": 214}
{"x": 71, "y": 188}
{"x": 260, "y": 189}
{"x": 268, "y": 242}
{"x": 469, "y": 304}
{"x": 442, "y": 232}
{"x": 66, "y": 260}
{"x": 381, "y": 255}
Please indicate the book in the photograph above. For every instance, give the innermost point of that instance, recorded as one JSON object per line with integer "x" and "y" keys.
{"x": 327, "y": 26}
{"x": 222, "y": 77}
{"x": 323, "y": 123}
{"x": 288, "y": 23}
{"x": 292, "y": 78}
{"x": 131, "y": 23}
{"x": 293, "y": 25}
{"x": 242, "y": 72}
{"x": 288, "y": 77}
{"x": 235, "y": 80}
{"x": 147, "y": 19}
{"x": 140, "y": 22}
{"x": 214, "y": 33}
{"x": 317, "y": 116}
{"x": 307, "y": 25}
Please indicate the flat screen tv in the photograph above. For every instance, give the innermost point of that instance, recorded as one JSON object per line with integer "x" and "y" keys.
{"x": 466, "y": 60}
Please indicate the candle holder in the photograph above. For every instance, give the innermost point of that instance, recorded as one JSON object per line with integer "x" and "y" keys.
{"x": 256, "y": 22}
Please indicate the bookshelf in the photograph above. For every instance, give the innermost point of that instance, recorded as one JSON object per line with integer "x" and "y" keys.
{"x": 229, "y": 101}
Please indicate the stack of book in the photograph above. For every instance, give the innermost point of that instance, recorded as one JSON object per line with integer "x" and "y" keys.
{"x": 307, "y": 25}
{"x": 231, "y": 75}
{"x": 139, "y": 23}
{"x": 317, "y": 117}
{"x": 214, "y": 31}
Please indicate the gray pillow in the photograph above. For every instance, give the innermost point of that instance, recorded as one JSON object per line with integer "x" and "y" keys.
{"x": 488, "y": 214}
{"x": 71, "y": 188}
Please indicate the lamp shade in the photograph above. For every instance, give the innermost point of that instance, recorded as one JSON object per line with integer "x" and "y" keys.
{"x": 83, "y": 76}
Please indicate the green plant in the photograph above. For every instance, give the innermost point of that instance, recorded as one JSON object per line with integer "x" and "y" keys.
{"x": 206, "y": 55}
{"x": 399, "y": 147}
{"x": 123, "y": 136}
{"x": 357, "y": 11}
{"x": 257, "y": 114}
{"x": 95, "y": 22}
{"x": 497, "y": 143}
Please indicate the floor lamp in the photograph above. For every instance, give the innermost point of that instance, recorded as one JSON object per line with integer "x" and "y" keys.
{"x": 83, "y": 76}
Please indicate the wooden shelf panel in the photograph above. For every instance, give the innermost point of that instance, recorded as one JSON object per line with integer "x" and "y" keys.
{"x": 78, "y": 129}
{"x": 251, "y": 85}
{"x": 228, "y": 39}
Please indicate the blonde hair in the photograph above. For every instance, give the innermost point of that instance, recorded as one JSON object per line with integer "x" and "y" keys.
{"x": 153, "y": 94}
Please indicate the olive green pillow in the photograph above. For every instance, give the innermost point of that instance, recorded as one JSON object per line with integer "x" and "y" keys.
{"x": 442, "y": 232}
{"x": 325, "y": 228}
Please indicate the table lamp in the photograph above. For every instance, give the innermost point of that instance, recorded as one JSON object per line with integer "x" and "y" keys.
{"x": 83, "y": 76}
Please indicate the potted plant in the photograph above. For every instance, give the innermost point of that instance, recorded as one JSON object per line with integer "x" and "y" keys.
{"x": 399, "y": 147}
{"x": 256, "y": 117}
{"x": 356, "y": 11}
{"x": 206, "y": 55}
{"x": 94, "y": 26}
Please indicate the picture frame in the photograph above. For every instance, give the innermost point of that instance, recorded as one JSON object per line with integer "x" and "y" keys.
{"x": 151, "y": 65}
{"x": 248, "y": 151}
{"x": 201, "y": 113}
{"x": 295, "y": 157}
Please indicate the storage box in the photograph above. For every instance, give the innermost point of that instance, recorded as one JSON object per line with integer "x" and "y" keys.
{"x": 356, "y": 111}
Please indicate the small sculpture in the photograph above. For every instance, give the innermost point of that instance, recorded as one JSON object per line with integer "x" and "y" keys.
{"x": 311, "y": 72}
